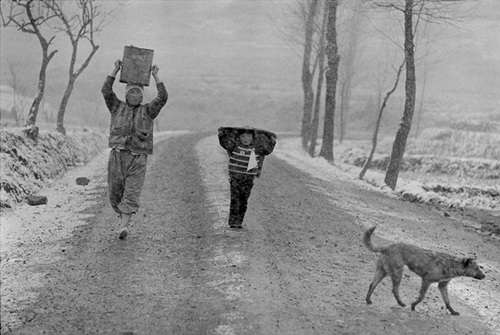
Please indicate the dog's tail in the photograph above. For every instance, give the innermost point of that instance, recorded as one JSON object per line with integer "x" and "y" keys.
{"x": 368, "y": 242}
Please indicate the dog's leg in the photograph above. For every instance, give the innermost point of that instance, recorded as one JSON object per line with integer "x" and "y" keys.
{"x": 443, "y": 287}
{"x": 423, "y": 291}
{"x": 396, "y": 276}
{"x": 379, "y": 275}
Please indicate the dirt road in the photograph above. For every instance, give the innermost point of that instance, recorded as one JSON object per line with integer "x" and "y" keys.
{"x": 297, "y": 267}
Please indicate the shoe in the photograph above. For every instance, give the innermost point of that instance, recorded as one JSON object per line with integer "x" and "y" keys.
{"x": 122, "y": 233}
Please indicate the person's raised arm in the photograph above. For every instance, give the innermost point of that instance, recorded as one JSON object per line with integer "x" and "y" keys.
{"x": 118, "y": 64}
{"x": 154, "y": 71}
{"x": 161, "y": 99}
{"x": 107, "y": 88}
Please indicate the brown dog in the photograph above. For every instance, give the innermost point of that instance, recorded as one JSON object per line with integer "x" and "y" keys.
{"x": 431, "y": 266}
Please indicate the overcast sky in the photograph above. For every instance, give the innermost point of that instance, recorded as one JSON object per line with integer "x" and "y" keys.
{"x": 239, "y": 39}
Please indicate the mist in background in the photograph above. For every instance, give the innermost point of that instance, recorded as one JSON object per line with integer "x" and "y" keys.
{"x": 228, "y": 63}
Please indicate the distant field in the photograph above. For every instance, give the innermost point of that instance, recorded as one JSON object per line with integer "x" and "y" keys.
{"x": 460, "y": 168}
{"x": 437, "y": 155}
{"x": 456, "y": 143}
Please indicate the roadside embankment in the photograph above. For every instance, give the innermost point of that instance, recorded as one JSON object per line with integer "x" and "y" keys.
{"x": 26, "y": 166}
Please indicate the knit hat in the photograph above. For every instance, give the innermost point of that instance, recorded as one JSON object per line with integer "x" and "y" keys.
{"x": 131, "y": 86}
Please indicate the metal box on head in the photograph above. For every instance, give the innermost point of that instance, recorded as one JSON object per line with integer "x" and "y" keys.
{"x": 136, "y": 65}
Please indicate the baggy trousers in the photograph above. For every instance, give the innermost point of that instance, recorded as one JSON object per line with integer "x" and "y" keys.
{"x": 241, "y": 187}
{"x": 126, "y": 175}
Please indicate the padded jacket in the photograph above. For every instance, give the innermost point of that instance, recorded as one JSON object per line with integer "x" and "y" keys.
{"x": 131, "y": 127}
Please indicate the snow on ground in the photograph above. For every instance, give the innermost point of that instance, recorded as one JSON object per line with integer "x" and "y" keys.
{"x": 213, "y": 164}
{"x": 45, "y": 228}
{"x": 26, "y": 165}
{"x": 36, "y": 225}
{"x": 290, "y": 149}
{"x": 57, "y": 219}
{"x": 28, "y": 224}
{"x": 484, "y": 298}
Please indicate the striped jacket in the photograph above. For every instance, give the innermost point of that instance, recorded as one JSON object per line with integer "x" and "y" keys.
{"x": 245, "y": 161}
{"x": 242, "y": 159}
{"x": 132, "y": 127}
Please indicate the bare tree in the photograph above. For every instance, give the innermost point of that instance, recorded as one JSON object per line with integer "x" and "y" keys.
{"x": 399, "y": 145}
{"x": 303, "y": 18}
{"x": 421, "y": 101}
{"x": 30, "y": 16}
{"x": 307, "y": 72}
{"x": 331, "y": 81}
{"x": 378, "y": 121}
{"x": 428, "y": 10}
{"x": 425, "y": 65}
{"x": 348, "y": 66}
{"x": 313, "y": 129}
{"x": 80, "y": 20}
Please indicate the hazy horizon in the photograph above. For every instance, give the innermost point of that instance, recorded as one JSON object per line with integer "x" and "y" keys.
{"x": 212, "y": 54}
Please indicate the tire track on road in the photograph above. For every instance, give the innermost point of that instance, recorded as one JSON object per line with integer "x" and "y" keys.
{"x": 213, "y": 163}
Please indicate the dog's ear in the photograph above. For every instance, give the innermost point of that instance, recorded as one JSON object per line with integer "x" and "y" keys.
{"x": 467, "y": 261}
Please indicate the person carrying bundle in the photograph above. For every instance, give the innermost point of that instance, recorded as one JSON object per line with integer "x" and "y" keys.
{"x": 246, "y": 148}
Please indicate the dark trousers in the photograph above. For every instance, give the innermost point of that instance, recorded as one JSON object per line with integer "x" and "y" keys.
{"x": 241, "y": 187}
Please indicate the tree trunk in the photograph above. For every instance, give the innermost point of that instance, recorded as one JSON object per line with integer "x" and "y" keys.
{"x": 331, "y": 82}
{"x": 348, "y": 63}
{"x": 377, "y": 123}
{"x": 398, "y": 147}
{"x": 321, "y": 74}
{"x": 33, "y": 28}
{"x": 315, "y": 119}
{"x": 307, "y": 76}
{"x": 46, "y": 57}
{"x": 63, "y": 104}
{"x": 345, "y": 97}
{"x": 71, "y": 83}
{"x": 420, "y": 110}
{"x": 33, "y": 113}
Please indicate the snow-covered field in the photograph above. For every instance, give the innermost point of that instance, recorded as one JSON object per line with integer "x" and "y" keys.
{"x": 410, "y": 189}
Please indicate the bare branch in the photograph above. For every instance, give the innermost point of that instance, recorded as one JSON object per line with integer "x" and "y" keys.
{"x": 79, "y": 20}
{"x": 435, "y": 11}
{"x": 25, "y": 15}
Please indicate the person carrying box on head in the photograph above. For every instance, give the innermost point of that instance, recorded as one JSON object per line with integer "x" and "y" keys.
{"x": 131, "y": 141}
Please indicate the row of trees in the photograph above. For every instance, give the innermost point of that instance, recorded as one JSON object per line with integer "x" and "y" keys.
{"x": 78, "y": 20}
{"x": 321, "y": 53}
